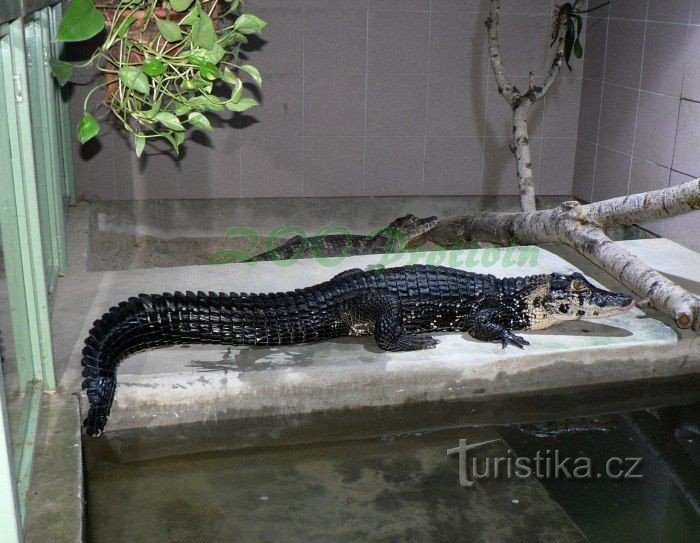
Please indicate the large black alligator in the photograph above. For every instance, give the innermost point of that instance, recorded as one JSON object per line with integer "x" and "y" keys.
{"x": 394, "y": 304}
{"x": 392, "y": 239}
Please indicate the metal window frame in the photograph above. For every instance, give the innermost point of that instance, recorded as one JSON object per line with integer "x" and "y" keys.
{"x": 35, "y": 164}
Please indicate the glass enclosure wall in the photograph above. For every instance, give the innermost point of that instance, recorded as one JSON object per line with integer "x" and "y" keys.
{"x": 36, "y": 181}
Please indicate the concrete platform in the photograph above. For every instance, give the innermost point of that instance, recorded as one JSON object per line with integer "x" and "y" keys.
{"x": 199, "y": 383}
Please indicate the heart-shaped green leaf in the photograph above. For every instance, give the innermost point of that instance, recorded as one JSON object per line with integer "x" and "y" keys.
{"x": 237, "y": 92}
{"x": 229, "y": 76}
{"x": 124, "y": 26}
{"x": 139, "y": 143}
{"x": 81, "y": 21}
{"x": 151, "y": 113}
{"x": 182, "y": 109}
{"x": 578, "y": 50}
{"x": 88, "y": 127}
{"x": 203, "y": 32}
{"x": 180, "y": 137}
{"x": 170, "y": 136}
{"x": 192, "y": 84}
{"x": 208, "y": 102}
{"x": 254, "y": 73}
{"x": 168, "y": 119}
{"x": 180, "y": 5}
{"x": 134, "y": 78}
{"x": 206, "y": 68}
{"x": 200, "y": 121}
{"x": 242, "y": 105}
{"x": 213, "y": 55}
{"x": 169, "y": 30}
{"x": 569, "y": 42}
{"x": 153, "y": 67}
{"x": 249, "y": 24}
{"x": 61, "y": 70}
{"x": 191, "y": 18}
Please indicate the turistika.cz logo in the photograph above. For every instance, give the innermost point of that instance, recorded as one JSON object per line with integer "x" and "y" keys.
{"x": 547, "y": 464}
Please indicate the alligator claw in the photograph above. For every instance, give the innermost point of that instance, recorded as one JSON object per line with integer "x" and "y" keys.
{"x": 512, "y": 339}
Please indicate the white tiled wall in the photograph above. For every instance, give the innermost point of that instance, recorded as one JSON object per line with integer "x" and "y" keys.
{"x": 370, "y": 97}
{"x": 639, "y": 122}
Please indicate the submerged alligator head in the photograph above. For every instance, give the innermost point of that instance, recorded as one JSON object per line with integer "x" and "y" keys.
{"x": 569, "y": 297}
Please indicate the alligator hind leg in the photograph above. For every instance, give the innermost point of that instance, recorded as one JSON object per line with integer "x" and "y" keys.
{"x": 381, "y": 313}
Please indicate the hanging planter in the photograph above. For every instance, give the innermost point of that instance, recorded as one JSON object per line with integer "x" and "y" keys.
{"x": 161, "y": 60}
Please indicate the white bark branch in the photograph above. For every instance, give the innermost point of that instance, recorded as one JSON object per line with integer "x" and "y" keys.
{"x": 558, "y": 60}
{"x": 521, "y": 103}
{"x": 523, "y": 159}
{"x": 505, "y": 87}
{"x": 581, "y": 227}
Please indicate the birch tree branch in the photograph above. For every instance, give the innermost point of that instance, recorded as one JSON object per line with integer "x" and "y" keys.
{"x": 521, "y": 103}
{"x": 582, "y": 228}
{"x": 551, "y": 76}
{"x": 505, "y": 87}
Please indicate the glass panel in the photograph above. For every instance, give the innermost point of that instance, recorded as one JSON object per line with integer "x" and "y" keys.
{"x": 29, "y": 366}
{"x": 12, "y": 402}
{"x": 36, "y": 97}
{"x": 63, "y": 114}
{"x": 42, "y": 152}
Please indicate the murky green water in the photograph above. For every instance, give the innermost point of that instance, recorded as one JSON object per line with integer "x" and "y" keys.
{"x": 385, "y": 475}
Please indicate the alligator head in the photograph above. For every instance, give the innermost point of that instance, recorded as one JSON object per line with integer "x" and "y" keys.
{"x": 403, "y": 230}
{"x": 569, "y": 297}
{"x": 412, "y": 227}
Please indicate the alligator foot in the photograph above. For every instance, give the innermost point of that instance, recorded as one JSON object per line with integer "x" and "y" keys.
{"x": 484, "y": 325}
{"x": 509, "y": 338}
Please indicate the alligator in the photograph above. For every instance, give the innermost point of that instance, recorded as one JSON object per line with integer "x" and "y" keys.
{"x": 392, "y": 239}
{"x": 396, "y": 305}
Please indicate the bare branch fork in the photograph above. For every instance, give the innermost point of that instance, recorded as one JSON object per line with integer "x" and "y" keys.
{"x": 582, "y": 227}
{"x": 579, "y": 226}
{"x": 520, "y": 102}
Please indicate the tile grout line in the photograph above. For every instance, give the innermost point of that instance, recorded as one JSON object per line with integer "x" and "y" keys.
{"x": 303, "y": 79}
{"x": 662, "y": 232}
{"x": 364, "y": 134}
{"x": 544, "y": 116}
{"x": 639, "y": 97}
{"x": 655, "y": 93}
{"x": 678, "y": 116}
{"x": 114, "y": 166}
{"x": 626, "y": 154}
{"x": 600, "y": 108}
{"x": 427, "y": 88}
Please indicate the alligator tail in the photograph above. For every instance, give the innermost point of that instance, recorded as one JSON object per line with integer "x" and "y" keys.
{"x": 160, "y": 320}
{"x": 147, "y": 322}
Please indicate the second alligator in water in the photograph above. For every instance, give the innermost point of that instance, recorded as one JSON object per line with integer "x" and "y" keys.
{"x": 396, "y": 305}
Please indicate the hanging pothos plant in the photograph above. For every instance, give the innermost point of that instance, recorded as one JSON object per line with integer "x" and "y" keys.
{"x": 161, "y": 60}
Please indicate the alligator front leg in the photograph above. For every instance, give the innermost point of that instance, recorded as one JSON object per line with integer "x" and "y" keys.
{"x": 483, "y": 326}
{"x": 381, "y": 313}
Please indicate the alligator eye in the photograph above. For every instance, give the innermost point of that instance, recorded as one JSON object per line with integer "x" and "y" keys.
{"x": 577, "y": 284}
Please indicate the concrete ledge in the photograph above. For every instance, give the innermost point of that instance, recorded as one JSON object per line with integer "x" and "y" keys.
{"x": 56, "y": 497}
{"x": 198, "y": 383}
